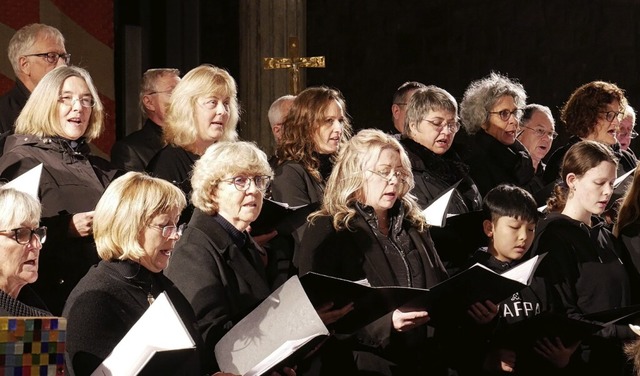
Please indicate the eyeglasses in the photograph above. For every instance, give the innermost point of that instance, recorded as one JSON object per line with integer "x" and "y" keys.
{"x": 453, "y": 127}
{"x": 52, "y": 57}
{"x": 168, "y": 92}
{"x": 170, "y": 230}
{"x": 401, "y": 104}
{"x": 388, "y": 175}
{"x": 70, "y": 101}
{"x": 24, "y": 235}
{"x": 610, "y": 115}
{"x": 506, "y": 114}
{"x": 242, "y": 183}
{"x": 631, "y": 135}
{"x": 542, "y": 133}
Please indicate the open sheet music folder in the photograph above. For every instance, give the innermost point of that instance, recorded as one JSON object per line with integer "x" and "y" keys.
{"x": 158, "y": 343}
{"x": 282, "y": 329}
{"x": 280, "y": 216}
{"x": 445, "y": 301}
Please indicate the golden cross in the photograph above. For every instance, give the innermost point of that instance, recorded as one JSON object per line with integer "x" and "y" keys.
{"x": 294, "y": 62}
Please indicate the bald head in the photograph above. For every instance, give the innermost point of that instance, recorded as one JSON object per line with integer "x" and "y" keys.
{"x": 278, "y": 112}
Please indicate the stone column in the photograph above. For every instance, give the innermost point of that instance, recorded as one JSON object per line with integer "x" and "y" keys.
{"x": 265, "y": 28}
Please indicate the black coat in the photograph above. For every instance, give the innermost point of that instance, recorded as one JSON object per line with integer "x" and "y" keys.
{"x": 584, "y": 269}
{"x": 134, "y": 152}
{"x": 72, "y": 182}
{"x": 174, "y": 164}
{"x": 11, "y": 103}
{"x": 216, "y": 277}
{"x": 357, "y": 254}
{"x": 433, "y": 174}
{"x": 492, "y": 163}
{"x": 107, "y": 302}
{"x": 293, "y": 184}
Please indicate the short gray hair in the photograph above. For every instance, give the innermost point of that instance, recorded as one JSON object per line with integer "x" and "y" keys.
{"x": 26, "y": 37}
{"x": 16, "y": 208}
{"x": 148, "y": 83}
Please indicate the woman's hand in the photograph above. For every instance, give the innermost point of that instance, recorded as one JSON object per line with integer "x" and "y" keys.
{"x": 329, "y": 316}
{"x": 404, "y": 321}
{"x": 483, "y": 313}
{"x": 81, "y": 224}
{"x": 555, "y": 351}
{"x": 500, "y": 360}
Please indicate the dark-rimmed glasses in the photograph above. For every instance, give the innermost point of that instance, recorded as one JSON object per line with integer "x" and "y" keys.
{"x": 610, "y": 115}
{"x": 170, "y": 230}
{"x": 68, "y": 100}
{"x": 506, "y": 114}
{"x": 453, "y": 127}
{"x": 541, "y": 132}
{"x": 388, "y": 175}
{"x": 52, "y": 57}
{"x": 242, "y": 183}
{"x": 24, "y": 235}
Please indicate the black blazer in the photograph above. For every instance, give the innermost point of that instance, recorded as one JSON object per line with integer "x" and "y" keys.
{"x": 134, "y": 152}
{"x": 217, "y": 278}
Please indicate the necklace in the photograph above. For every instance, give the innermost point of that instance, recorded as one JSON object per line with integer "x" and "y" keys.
{"x": 150, "y": 298}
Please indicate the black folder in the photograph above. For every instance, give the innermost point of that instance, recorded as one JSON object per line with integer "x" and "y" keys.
{"x": 446, "y": 302}
{"x": 370, "y": 303}
{"x": 280, "y": 217}
{"x": 525, "y": 333}
{"x": 619, "y": 315}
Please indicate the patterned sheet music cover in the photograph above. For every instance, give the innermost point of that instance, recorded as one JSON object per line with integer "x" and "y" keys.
{"x": 32, "y": 346}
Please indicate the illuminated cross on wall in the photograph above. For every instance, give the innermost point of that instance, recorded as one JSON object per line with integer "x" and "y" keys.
{"x": 293, "y": 62}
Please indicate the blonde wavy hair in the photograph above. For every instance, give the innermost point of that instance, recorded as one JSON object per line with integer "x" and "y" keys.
{"x": 305, "y": 117}
{"x": 40, "y": 116}
{"x": 224, "y": 159}
{"x": 345, "y": 186}
{"x": 127, "y": 206}
{"x": 181, "y": 120}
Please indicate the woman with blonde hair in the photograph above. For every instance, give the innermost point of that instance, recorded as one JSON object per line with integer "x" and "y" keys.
{"x": 369, "y": 227}
{"x": 61, "y": 117}
{"x": 203, "y": 110}
{"x": 136, "y": 228}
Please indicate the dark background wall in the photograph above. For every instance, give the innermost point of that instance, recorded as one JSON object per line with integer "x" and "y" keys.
{"x": 373, "y": 46}
{"x": 550, "y": 46}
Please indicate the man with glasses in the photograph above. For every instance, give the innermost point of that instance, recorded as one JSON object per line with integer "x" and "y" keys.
{"x": 626, "y": 132}
{"x": 33, "y": 51}
{"x": 134, "y": 152}
{"x": 399, "y": 104}
{"x": 537, "y": 132}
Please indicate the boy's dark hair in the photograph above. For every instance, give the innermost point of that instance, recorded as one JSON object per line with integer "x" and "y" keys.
{"x": 509, "y": 201}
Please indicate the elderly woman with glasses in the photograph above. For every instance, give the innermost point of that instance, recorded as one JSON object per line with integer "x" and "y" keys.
{"x": 20, "y": 243}
{"x": 136, "y": 228}
{"x": 218, "y": 266}
{"x": 593, "y": 112}
{"x": 370, "y": 229}
{"x": 61, "y": 117}
{"x": 491, "y": 110}
{"x": 431, "y": 124}
{"x": 203, "y": 110}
